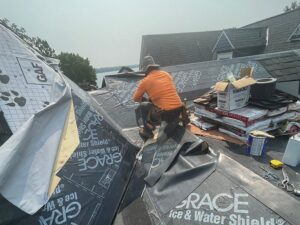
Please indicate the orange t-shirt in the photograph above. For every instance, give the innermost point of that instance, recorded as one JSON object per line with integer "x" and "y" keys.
{"x": 161, "y": 90}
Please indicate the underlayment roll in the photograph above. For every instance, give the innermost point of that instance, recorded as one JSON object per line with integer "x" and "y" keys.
{"x": 264, "y": 88}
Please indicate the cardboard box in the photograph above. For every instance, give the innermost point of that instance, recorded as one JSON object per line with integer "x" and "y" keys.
{"x": 235, "y": 95}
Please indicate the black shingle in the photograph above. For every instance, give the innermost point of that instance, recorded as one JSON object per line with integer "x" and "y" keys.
{"x": 183, "y": 48}
{"x": 280, "y": 28}
{"x": 284, "y": 67}
{"x": 241, "y": 38}
{"x": 247, "y": 37}
{"x": 174, "y": 49}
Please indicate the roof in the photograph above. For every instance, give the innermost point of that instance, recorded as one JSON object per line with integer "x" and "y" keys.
{"x": 182, "y": 48}
{"x": 265, "y": 36}
{"x": 231, "y": 39}
{"x": 197, "y": 78}
{"x": 103, "y": 176}
{"x": 148, "y": 204}
{"x": 140, "y": 206}
{"x": 280, "y": 29}
{"x": 272, "y": 17}
{"x": 284, "y": 67}
{"x": 52, "y": 130}
{"x": 179, "y": 48}
{"x": 194, "y": 79}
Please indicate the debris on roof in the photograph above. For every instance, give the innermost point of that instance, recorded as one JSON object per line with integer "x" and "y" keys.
{"x": 234, "y": 114}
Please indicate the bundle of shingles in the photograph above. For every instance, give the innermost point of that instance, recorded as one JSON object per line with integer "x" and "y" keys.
{"x": 264, "y": 115}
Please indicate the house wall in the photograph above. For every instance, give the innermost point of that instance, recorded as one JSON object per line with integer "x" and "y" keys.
{"x": 280, "y": 29}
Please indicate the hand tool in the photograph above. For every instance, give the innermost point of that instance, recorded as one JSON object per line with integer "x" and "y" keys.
{"x": 268, "y": 175}
{"x": 285, "y": 184}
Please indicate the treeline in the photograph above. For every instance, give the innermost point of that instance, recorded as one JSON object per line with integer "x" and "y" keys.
{"x": 294, "y": 5}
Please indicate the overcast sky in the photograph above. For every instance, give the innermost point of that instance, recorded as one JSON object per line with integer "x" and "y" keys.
{"x": 109, "y": 32}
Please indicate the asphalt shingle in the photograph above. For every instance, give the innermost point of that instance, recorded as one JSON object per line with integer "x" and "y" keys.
{"x": 181, "y": 48}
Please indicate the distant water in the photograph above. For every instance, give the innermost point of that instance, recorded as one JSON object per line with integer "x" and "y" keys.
{"x": 100, "y": 76}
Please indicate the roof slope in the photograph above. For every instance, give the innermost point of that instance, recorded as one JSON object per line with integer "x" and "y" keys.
{"x": 285, "y": 67}
{"x": 251, "y": 37}
{"x": 231, "y": 39}
{"x": 179, "y": 48}
{"x": 280, "y": 29}
{"x": 56, "y": 111}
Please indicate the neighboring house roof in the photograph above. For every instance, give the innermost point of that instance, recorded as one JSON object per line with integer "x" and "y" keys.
{"x": 284, "y": 67}
{"x": 223, "y": 43}
{"x": 281, "y": 27}
{"x": 231, "y": 39}
{"x": 266, "y": 36}
{"x": 180, "y": 48}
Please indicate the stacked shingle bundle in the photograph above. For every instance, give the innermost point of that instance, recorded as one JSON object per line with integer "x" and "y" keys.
{"x": 238, "y": 123}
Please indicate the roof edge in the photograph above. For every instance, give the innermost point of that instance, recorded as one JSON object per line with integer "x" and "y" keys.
{"x": 278, "y": 15}
{"x": 182, "y": 33}
{"x": 247, "y": 28}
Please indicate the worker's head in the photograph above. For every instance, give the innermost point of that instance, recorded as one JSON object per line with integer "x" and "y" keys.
{"x": 149, "y": 64}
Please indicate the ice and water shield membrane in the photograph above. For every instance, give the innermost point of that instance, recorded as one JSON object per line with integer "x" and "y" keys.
{"x": 69, "y": 164}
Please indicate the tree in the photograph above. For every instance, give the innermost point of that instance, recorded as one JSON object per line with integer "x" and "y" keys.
{"x": 37, "y": 43}
{"x": 294, "y": 5}
{"x": 44, "y": 47}
{"x": 77, "y": 68}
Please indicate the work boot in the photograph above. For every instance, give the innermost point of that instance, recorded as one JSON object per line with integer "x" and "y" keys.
{"x": 145, "y": 134}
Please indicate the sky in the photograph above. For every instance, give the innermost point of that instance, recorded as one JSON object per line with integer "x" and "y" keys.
{"x": 109, "y": 32}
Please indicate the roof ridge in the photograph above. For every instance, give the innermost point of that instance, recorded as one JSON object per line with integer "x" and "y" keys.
{"x": 246, "y": 28}
{"x": 181, "y": 33}
{"x": 278, "y": 15}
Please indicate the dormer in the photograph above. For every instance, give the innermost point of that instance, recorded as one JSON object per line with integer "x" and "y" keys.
{"x": 295, "y": 36}
{"x": 240, "y": 42}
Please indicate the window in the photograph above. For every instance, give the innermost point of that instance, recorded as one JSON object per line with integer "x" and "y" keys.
{"x": 296, "y": 34}
{"x": 225, "y": 55}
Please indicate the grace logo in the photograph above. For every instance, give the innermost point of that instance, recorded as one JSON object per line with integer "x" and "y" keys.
{"x": 61, "y": 216}
{"x": 234, "y": 202}
{"x": 92, "y": 162}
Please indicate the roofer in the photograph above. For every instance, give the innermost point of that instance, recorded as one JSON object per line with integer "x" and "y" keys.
{"x": 163, "y": 105}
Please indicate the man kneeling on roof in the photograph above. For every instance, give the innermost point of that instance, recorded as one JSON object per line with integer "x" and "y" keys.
{"x": 164, "y": 102}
